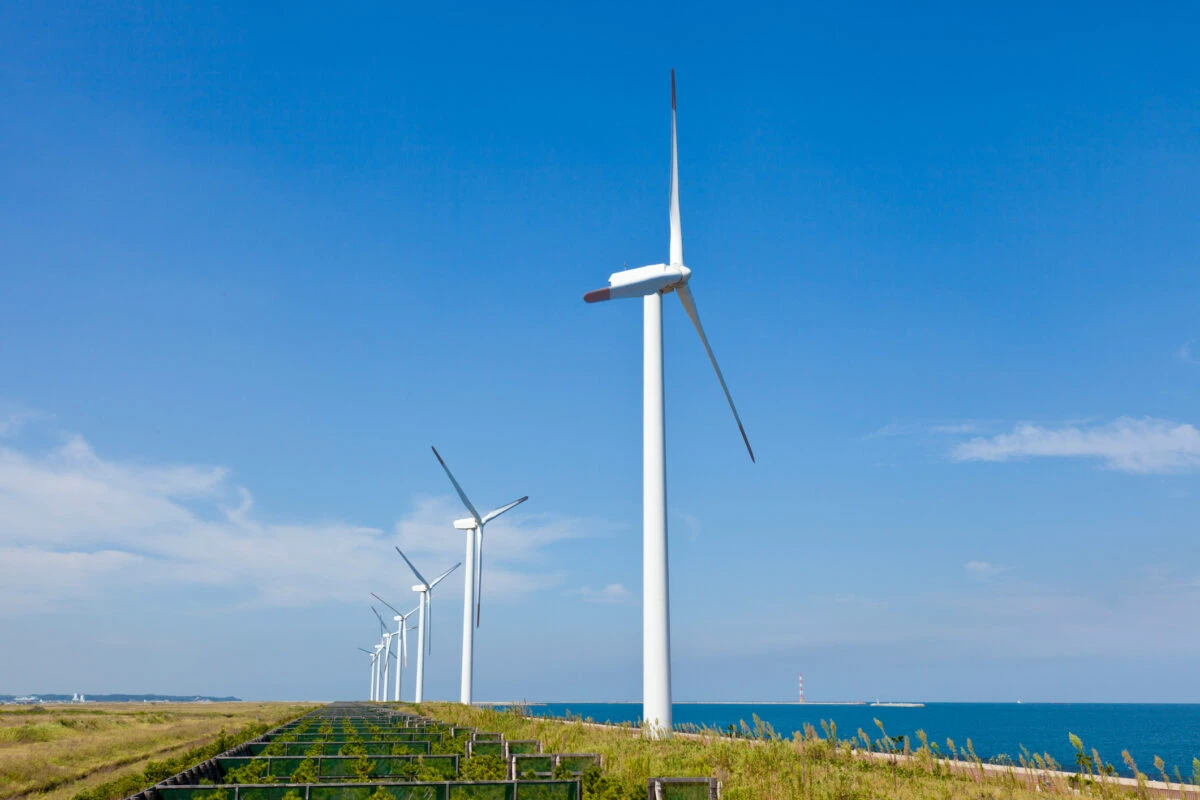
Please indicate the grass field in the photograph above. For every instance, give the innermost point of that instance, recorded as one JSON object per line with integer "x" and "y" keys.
{"x": 52, "y": 752}
{"x": 764, "y": 765}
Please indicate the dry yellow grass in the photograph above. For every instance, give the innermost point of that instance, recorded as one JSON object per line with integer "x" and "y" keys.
{"x": 50, "y": 752}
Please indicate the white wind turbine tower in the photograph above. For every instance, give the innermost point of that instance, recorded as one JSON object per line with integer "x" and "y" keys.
{"x": 473, "y": 581}
{"x": 401, "y": 631}
{"x": 424, "y": 621}
{"x": 378, "y": 669}
{"x": 387, "y": 653}
{"x": 651, "y": 283}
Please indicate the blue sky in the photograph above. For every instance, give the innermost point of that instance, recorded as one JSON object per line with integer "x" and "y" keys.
{"x": 254, "y": 263}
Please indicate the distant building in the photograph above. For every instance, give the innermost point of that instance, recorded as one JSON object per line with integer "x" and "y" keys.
{"x": 801, "y": 677}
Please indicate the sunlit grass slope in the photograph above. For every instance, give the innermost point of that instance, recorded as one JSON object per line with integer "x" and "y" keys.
{"x": 56, "y": 751}
{"x": 761, "y": 764}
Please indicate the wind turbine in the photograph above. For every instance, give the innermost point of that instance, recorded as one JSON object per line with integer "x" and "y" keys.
{"x": 473, "y": 582}
{"x": 424, "y": 621}
{"x": 651, "y": 283}
{"x": 371, "y": 696}
{"x": 401, "y": 631}
{"x": 387, "y": 652}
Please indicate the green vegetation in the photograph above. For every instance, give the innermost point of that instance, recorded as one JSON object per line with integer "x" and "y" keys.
{"x": 305, "y": 773}
{"x": 361, "y": 768}
{"x": 450, "y": 746}
{"x": 156, "y": 771}
{"x": 483, "y": 768}
{"x": 759, "y": 763}
{"x": 254, "y": 772}
{"x": 97, "y": 751}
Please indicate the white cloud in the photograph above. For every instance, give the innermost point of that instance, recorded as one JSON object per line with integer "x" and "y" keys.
{"x": 512, "y": 544}
{"x": 74, "y": 525}
{"x": 613, "y": 594}
{"x": 1130, "y": 445}
{"x": 11, "y": 421}
{"x": 1185, "y": 355}
{"x": 983, "y": 568}
{"x": 936, "y": 427}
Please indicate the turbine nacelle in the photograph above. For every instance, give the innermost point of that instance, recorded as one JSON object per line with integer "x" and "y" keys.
{"x": 467, "y": 524}
{"x": 641, "y": 281}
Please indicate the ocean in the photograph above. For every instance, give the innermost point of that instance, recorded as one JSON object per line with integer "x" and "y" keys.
{"x": 1171, "y": 731}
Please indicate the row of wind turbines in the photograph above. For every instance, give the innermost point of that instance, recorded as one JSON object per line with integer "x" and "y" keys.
{"x": 382, "y": 655}
{"x": 649, "y": 283}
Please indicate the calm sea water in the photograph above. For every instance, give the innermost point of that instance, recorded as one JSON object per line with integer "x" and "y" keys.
{"x": 1169, "y": 731}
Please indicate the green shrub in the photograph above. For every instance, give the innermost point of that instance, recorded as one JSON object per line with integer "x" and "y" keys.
{"x": 427, "y": 773}
{"x": 361, "y": 768}
{"x": 305, "y": 773}
{"x": 484, "y": 768}
{"x": 252, "y": 772}
{"x": 353, "y": 748}
{"x": 450, "y": 746}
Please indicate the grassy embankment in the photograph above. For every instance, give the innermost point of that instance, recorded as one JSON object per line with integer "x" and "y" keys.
{"x": 761, "y": 764}
{"x": 54, "y": 752}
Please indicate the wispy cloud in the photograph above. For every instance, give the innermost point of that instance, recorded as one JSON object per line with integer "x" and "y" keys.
{"x": 612, "y": 594}
{"x": 513, "y": 545}
{"x": 12, "y": 421}
{"x": 948, "y": 427}
{"x": 1184, "y": 354}
{"x": 1146, "y": 445}
{"x": 75, "y": 525}
{"x": 983, "y": 569}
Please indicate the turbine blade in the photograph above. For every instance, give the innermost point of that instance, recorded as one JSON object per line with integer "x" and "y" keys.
{"x": 676, "y": 229}
{"x": 420, "y": 577}
{"x": 439, "y": 578}
{"x": 689, "y": 305}
{"x": 598, "y": 295}
{"x": 428, "y": 623}
{"x": 381, "y": 623}
{"x": 491, "y": 515}
{"x": 368, "y": 652}
{"x": 461, "y": 494}
{"x": 385, "y": 602}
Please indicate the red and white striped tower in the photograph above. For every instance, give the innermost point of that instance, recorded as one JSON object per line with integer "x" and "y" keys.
{"x": 801, "y": 688}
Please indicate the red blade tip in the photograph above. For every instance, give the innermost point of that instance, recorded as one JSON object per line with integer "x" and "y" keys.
{"x": 672, "y": 89}
{"x": 597, "y": 295}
